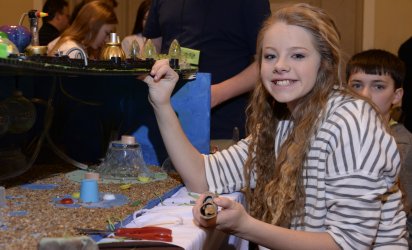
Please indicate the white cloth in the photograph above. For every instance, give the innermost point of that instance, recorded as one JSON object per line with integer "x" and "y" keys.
{"x": 175, "y": 213}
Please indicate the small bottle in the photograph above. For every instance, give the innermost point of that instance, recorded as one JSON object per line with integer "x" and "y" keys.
{"x": 34, "y": 27}
{"x": 34, "y": 48}
{"x": 174, "y": 54}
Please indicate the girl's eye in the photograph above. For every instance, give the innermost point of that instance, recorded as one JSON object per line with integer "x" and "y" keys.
{"x": 298, "y": 56}
{"x": 269, "y": 56}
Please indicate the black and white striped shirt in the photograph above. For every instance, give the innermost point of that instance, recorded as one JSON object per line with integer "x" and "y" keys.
{"x": 351, "y": 167}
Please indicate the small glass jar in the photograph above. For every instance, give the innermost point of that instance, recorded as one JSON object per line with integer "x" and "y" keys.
{"x": 124, "y": 160}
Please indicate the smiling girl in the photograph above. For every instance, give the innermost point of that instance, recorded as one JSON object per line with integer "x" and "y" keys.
{"x": 318, "y": 168}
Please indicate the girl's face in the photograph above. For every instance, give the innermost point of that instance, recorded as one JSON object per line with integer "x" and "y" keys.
{"x": 103, "y": 35}
{"x": 290, "y": 63}
{"x": 380, "y": 89}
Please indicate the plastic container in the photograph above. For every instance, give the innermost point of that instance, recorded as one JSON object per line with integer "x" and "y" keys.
{"x": 89, "y": 190}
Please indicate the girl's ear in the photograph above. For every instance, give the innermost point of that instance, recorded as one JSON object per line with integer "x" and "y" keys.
{"x": 397, "y": 97}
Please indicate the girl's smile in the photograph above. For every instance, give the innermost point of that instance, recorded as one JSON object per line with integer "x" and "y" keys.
{"x": 283, "y": 82}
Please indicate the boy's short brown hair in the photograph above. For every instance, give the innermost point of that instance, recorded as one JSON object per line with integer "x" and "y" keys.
{"x": 377, "y": 62}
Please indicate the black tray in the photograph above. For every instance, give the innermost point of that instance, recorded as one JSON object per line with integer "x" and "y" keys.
{"x": 47, "y": 65}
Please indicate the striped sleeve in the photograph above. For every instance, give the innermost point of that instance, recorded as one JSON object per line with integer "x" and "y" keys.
{"x": 224, "y": 169}
{"x": 363, "y": 202}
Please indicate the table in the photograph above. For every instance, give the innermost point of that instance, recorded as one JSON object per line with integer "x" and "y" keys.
{"x": 175, "y": 213}
{"x": 32, "y": 212}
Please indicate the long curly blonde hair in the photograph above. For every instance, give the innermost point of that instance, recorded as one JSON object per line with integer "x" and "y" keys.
{"x": 279, "y": 195}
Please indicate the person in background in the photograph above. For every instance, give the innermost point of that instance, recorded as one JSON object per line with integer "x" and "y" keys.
{"x": 405, "y": 54}
{"x": 56, "y": 21}
{"x": 224, "y": 33}
{"x": 378, "y": 75}
{"x": 76, "y": 10}
{"x": 319, "y": 169}
{"x": 88, "y": 33}
{"x": 141, "y": 17}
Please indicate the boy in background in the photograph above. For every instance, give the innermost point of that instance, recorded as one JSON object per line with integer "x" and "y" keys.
{"x": 56, "y": 22}
{"x": 378, "y": 75}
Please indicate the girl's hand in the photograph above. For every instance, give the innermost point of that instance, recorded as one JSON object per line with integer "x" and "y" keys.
{"x": 161, "y": 82}
{"x": 229, "y": 219}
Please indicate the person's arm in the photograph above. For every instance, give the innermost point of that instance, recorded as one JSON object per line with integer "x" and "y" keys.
{"x": 186, "y": 159}
{"x": 255, "y": 13}
{"x": 234, "y": 86}
{"x": 275, "y": 237}
{"x": 235, "y": 220}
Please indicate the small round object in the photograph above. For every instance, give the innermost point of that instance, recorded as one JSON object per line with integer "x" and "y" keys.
{"x": 109, "y": 197}
{"x": 66, "y": 201}
{"x": 76, "y": 195}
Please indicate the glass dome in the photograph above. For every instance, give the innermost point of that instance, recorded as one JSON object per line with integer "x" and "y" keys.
{"x": 124, "y": 160}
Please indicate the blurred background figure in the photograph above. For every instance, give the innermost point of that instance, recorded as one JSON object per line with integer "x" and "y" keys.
{"x": 88, "y": 32}
{"x": 76, "y": 10}
{"x": 224, "y": 34}
{"x": 56, "y": 22}
{"x": 137, "y": 34}
{"x": 405, "y": 54}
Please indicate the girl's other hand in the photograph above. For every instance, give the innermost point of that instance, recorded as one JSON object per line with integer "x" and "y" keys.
{"x": 229, "y": 219}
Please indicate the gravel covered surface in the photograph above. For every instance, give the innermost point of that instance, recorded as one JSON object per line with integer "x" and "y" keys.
{"x": 31, "y": 215}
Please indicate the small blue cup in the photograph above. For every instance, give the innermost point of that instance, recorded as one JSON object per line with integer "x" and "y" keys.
{"x": 89, "y": 191}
